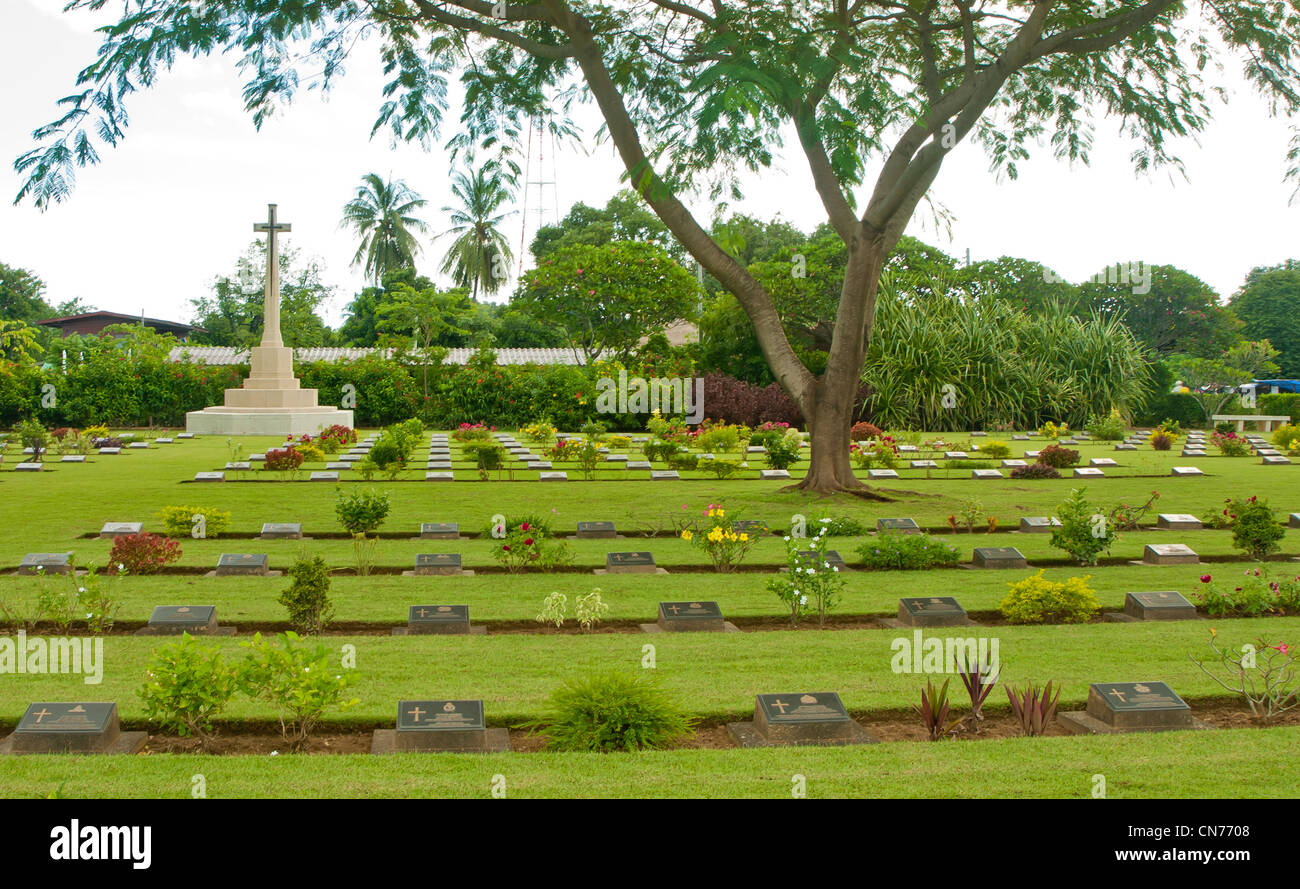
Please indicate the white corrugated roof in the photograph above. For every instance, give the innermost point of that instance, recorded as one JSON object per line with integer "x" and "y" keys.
{"x": 221, "y": 355}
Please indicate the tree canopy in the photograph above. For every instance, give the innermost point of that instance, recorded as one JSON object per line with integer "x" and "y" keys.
{"x": 1269, "y": 306}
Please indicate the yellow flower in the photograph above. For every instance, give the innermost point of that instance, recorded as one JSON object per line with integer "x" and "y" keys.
{"x": 744, "y": 537}
{"x": 686, "y": 535}
{"x": 721, "y": 512}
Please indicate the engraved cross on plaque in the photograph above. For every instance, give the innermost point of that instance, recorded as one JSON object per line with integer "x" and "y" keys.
{"x": 271, "y": 300}
{"x": 1115, "y": 692}
{"x": 780, "y": 705}
{"x": 417, "y": 713}
{"x": 41, "y": 714}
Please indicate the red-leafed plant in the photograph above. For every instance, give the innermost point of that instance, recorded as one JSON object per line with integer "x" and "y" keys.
{"x": 935, "y": 709}
{"x": 1056, "y": 456}
{"x": 142, "y": 553}
{"x": 979, "y": 681}
{"x": 1034, "y": 707}
{"x": 1161, "y": 440}
{"x": 284, "y": 459}
{"x": 864, "y": 432}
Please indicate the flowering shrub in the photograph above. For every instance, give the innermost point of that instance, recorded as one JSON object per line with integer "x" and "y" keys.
{"x": 1264, "y": 674}
{"x": 896, "y": 551}
{"x": 1254, "y": 595}
{"x": 809, "y": 578}
{"x": 187, "y": 685}
{"x": 472, "y": 432}
{"x": 284, "y": 459}
{"x": 525, "y": 546}
{"x": 1035, "y": 470}
{"x": 1285, "y": 438}
{"x": 565, "y": 451}
{"x": 1052, "y": 431}
{"x": 143, "y": 553}
{"x": 667, "y": 428}
{"x": 1058, "y": 457}
{"x": 1253, "y": 527}
{"x": 539, "y": 430}
{"x": 1161, "y": 440}
{"x": 725, "y": 547}
{"x": 782, "y": 453}
{"x": 1036, "y": 600}
{"x": 863, "y": 432}
{"x": 718, "y": 437}
{"x": 298, "y": 682}
{"x": 1084, "y": 533}
{"x": 1230, "y": 444}
{"x": 334, "y": 438}
{"x": 882, "y": 451}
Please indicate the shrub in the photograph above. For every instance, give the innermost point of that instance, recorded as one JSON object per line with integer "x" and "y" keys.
{"x": 589, "y": 609}
{"x": 1032, "y": 710}
{"x": 1254, "y": 529}
{"x": 882, "y": 451}
{"x": 531, "y": 521}
{"x": 1264, "y": 674}
{"x": 1051, "y": 430}
{"x": 299, "y": 683}
{"x": 362, "y": 512}
{"x": 683, "y": 461}
{"x": 311, "y": 453}
{"x": 1255, "y": 595}
{"x": 718, "y": 438}
{"x": 307, "y": 598}
{"x": 539, "y": 430}
{"x": 1058, "y": 457}
{"x": 588, "y": 458}
{"x": 472, "y": 432}
{"x": 725, "y": 547}
{"x": 1230, "y": 444}
{"x": 553, "y": 610}
{"x": 808, "y": 578}
{"x": 564, "y": 451}
{"x": 284, "y": 459}
{"x": 143, "y": 553}
{"x": 843, "y": 526}
{"x": 720, "y": 469}
{"x": 1035, "y": 470}
{"x": 1084, "y": 532}
{"x": 784, "y": 451}
{"x": 1036, "y": 600}
{"x": 1287, "y": 437}
{"x": 997, "y": 450}
{"x": 896, "y": 551}
{"x": 334, "y": 438}
{"x": 31, "y": 434}
{"x": 610, "y": 712}
{"x": 594, "y": 430}
{"x": 525, "y": 546}
{"x": 488, "y": 456}
{"x": 1110, "y": 428}
{"x": 178, "y": 521}
{"x": 1161, "y": 440}
{"x": 1287, "y": 403}
{"x": 660, "y": 451}
{"x": 863, "y": 431}
{"x": 187, "y": 686}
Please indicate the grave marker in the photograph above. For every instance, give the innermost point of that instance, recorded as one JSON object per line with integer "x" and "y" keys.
{"x": 907, "y": 526}
{"x": 596, "y": 530}
{"x": 998, "y": 557}
{"x": 440, "y": 531}
{"x": 817, "y": 718}
{"x": 282, "y": 531}
{"x": 173, "y": 620}
{"x": 243, "y": 565}
{"x": 1166, "y": 605}
{"x": 1038, "y": 524}
{"x": 53, "y": 563}
{"x": 630, "y": 563}
{"x": 1178, "y": 521}
{"x": 120, "y": 529}
{"x": 932, "y": 611}
{"x": 442, "y": 564}
{"x": 438, "y": 620}
{"x": 1130, "y": 707}
{"x": 71, "y": 727}
{"x": 440, "y": 726}
{"x": 1169, "y": 554}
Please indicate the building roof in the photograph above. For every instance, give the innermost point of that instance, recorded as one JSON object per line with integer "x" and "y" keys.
{"x": 117, "y": 318}
{"x": 224, "y": 355}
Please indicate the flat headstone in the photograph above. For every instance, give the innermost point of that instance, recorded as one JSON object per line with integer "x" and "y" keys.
{"x": 639, "y": 464}
{"x": 630, "y": 563}
{"x": 979, "y": 435}
{"x": 1088, "y": 472}
{"x": 172, "y": 620}
{"x": 755, "y": 449}
{"x": 441, "y": 725}
{"x": 931, "y": 611}
{"x": 120, "y": 529}
{"x": 923, "y": 464}
{"x": 438, "y": 464}
{"x": 163, "y": 441}
{"x": 239, "y": 466}
{"x": 616, "y": 458}
{"x": 110, "y": 452}
{"x": 72, "y": 727}
{"x": 552, "y": 476}
{"x": 138, "y": 445}
{"x": 28, "y": 467}
{"x": 664, "y": 475}
{"x": 1032, "y": 455}
{"x": 439, "y": 477}
{"x": 336, "y": 466}
{"x": 1268, "y": 452}
{"x": 1169, "y": 554}
{"x": 53, "y": 563}
{"x": 1166, "y": 605}
{"x": 774, "y": 474}
{"x": 186, "y": 435}
{"x": 1178, "y": 521}
{"x": 1133, "y": 706}
{"x": 882, "y": 473}
{"x": 999, "y": 557}
{"x": 209, "y": 476}
{"x": 438, "y": 620}
{"x": 802, "y": 718}
{"x": 539, "y": 465}
{"x": 956, "y": 455}
{"x": 1102, "y": 461}
{"x": 908, "y": 449}
{"x": 681, "y": 617}
{"x": 437, "y": 564}
{"x": 1192, "y": 452}
{"x": 324, "y": 477}
{"x": 349, "y": 458}
{"x": 1067, "y": 441}
{"x": 596, "y": 530}
{"x": 73, "y": 458}
{"x": 1020, "y": 438}
{"x": 1126, "y": 446}
{"x": 907, "y": 526}
{"x": 986, "y": 473}
{"x": 1014, "y": 464}
{"x": 1038, "y": 524}
{"x": 243, "y": 564}
{"x": 821, "y": 558}
{"x": 1181, "y": 471}
{"x": 1293, "y": 521}
{"x": 282, "y": 531}
{"x": 440, "y": 530}
{"x": 1275, "y": 461}
{"x": 257, "y": 458}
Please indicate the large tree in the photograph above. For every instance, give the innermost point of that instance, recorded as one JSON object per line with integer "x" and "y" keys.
{"x": 1269, "y": 304}
{"x": 693, "y": 91}
{"x": 1169, "y": 310}
{"x": 383, "y": 216}
{"x": 232, "y": 314}
{"x": 22, "y": 296}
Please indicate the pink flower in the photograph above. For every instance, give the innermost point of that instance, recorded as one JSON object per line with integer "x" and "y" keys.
{"x": 1205, "y": 578}
{"x": 1283, "y": 647}
{"x": 525, "y": 527}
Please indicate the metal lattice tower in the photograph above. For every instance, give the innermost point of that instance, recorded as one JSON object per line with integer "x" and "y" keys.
{"x": 535, "y": 166}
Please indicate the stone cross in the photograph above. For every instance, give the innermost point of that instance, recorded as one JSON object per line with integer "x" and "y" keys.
{"x": 271, "y": 301}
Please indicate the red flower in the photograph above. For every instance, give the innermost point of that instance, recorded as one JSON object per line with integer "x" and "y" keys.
{"x": 525, "y": 527}
{"x": 528, "y": 541}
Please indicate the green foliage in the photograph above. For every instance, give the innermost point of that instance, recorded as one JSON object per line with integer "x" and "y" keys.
{"x": 719, "y": 469}
{"x": 1268, "y": 304}
{"x": 1110, "y": 428}
{"x": 1254, "y": 594}
{"x": 488, "y": 456}
{"x": 554, "y": 609}
{"x": 382, "y": 215}
{"x": 1254, "y": 529}
{"x": 588, "y": 458}
{"x": 1037, "y": 600}
{"x": 610, "y": 712}
{"x": 187, "y": 686}
{"x": 300, "y": 683}
{"x": 1085, "y": 532}
{"x": 783, "y": 452}
{"x": 810, "y": 584}
{"x": 995, "y": 450}
{"x": 896, "y": 551}
{"x": 307, "y": 598}
{"x": 233, "y": 314}
{"x": 1285, "y": 437}
{"x": 362, "y": 511}
{"x": 589, "y": 609}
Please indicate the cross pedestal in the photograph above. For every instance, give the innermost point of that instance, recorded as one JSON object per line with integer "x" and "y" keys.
{"x": 271, "y": 401}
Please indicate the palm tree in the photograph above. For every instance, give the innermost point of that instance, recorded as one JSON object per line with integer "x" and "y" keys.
{"x": 480, "y": 256}
{"x": 381, "y": 213}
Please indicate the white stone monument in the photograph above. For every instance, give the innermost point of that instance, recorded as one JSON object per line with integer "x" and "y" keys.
{"x": 271, "y": 401}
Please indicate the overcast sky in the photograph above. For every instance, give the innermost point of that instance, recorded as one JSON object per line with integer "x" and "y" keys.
{"x": 173, "y": 206}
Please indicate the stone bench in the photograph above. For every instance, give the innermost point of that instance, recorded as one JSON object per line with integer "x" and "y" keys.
{"x": 1270, "y": 421}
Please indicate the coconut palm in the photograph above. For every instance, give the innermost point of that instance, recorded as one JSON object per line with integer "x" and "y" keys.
{"x": 382, "y": 214}
{"x": 480, "y": 256}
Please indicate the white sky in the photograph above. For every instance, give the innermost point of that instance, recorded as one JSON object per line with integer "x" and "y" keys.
{"x": 173, "y": 206}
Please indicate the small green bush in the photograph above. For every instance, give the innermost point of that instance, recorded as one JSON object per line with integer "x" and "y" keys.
{"x": 683, "y": 461}
{"x": 178, "y": 521}
{"x": 995, "y": 450}
{"x": 300, "y": 683}
{"x": 1085, "y": 532}
{"x": 784, "y": 451}
{"x": 610, "y": 712}
{"x": 896, "y": 551}
{"x": 1036, "y": 600}
{"x": 187, "y": 686}
{"x": 1110, "y": 428}
{"x": 1254, "y": 529}
{"x": 307, "y": 598}
{"x": 362, "y": 512}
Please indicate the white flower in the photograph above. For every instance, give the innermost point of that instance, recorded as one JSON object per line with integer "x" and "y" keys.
{"x": 803, "y": 600}
{"x": 811, "y": 572}
{"x": 835, "y": 569}
{"x": 121, "y": 567}
{"x": 786, "y": 538}
{"x": 275, "y": 752}
{"x": 813, "y": 543}
{"x": 81, "y": 589}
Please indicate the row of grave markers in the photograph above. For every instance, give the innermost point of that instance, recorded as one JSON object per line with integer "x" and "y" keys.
{"x": 32, "y": 466}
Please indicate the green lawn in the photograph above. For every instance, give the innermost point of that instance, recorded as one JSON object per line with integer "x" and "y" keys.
{"x": 715, "y": 676}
